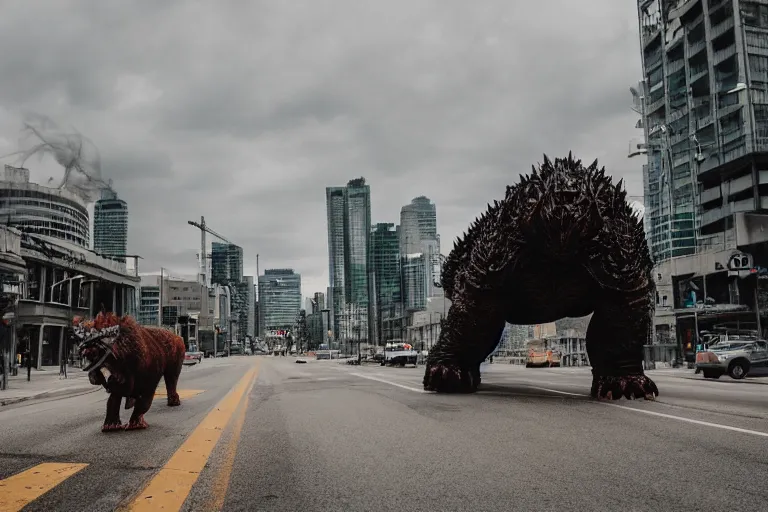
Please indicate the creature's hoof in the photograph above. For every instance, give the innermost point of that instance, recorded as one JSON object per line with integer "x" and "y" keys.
{"x": 174, "y": 400}
{"x": 628, "y": 386}
{"x": 137, "y": 424}
{"x": 448, "y": 378}
{"x": 112, "y": 427}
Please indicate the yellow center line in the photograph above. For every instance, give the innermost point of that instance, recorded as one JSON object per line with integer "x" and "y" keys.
{"x": 169, "y": 488}
{"x": 219, "y": 492}
{"x": 17, "y": 491}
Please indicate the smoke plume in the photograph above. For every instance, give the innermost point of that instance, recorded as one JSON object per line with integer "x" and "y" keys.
{"x": 77, "y": 154}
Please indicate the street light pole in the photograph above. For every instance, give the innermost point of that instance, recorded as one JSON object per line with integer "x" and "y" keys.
{"x": 65, "y": 338}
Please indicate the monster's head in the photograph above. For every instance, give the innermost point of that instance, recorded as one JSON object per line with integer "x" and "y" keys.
{"x": 95, "y": 340}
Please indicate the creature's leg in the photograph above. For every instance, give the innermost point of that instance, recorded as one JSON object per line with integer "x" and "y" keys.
{"x": 469, "y": 333}
{"x": 171, "y": 377}
{"x": 112, "y": 421}
{"x": 617, "y": 332}
{"x": 142, "y": 405}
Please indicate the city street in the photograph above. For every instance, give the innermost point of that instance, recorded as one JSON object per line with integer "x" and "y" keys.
{"x": 328, "y": 436}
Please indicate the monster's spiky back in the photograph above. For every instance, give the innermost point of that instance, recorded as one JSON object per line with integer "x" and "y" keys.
{"x": 562, "y": 210}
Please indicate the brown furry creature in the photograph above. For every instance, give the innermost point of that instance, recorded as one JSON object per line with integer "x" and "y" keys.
{"x": 129, "y": 360}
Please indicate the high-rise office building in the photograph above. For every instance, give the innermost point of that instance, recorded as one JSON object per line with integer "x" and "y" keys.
{"x": 349, "y": 231}
{"x": 110, "y": 226}
{"x": 418, "y": 221}
{"x": 418, "y": 236}
{"x": 385, "y": 258}
{"x": 279, "y": 299}
{"x": 226, "y": 263}
{"x": 704, "y": 102}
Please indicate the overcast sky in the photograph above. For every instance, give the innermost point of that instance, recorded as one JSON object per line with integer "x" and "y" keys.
{"x": 245, "y": 111}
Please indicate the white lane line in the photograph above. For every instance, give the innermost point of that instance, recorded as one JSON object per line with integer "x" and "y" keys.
{"x": 668, "y": 416}
{"x": 559, "y": 392}
{"x": 642, "y": 411}
{"x": 688, "y": 420}
{"x": 415, "y": 390}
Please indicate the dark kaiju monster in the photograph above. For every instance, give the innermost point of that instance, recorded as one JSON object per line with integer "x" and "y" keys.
{"x": 563, "y": 242}
{"x": 129, "y": 360}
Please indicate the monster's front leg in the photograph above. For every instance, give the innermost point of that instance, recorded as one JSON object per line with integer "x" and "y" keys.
{"x": 141, "y": 406}
{"x": 617, "y": 332}
{"x": 469, "y": 333}
{"x": 112, "y": 421}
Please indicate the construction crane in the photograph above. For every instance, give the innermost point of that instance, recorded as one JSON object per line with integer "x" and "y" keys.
{"x": 203, "y": 255}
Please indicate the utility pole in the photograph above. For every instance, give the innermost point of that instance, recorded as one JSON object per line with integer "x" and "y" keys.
{"x": 160, "y": 304}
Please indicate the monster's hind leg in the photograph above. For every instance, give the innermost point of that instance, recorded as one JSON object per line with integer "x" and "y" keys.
{"x": 112, "y": 422}
{"x": 171, "y": 377}
{"x": 469, "y": 333}
{"x": 617, "y": 332}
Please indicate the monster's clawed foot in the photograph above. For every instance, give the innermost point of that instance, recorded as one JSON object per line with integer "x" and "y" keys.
{"x": 112, "y": 426}
{"x": 628, "y": 386}
{"x": 173, "y": 400}
{"x": 137, "y": 423}
{"x": 451, "y": 378}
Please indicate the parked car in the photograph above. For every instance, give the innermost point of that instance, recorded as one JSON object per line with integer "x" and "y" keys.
{"x": 734, "y": 357}
{"x": 193, "y": 355}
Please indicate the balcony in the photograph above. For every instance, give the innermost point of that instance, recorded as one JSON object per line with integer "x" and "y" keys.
{"x": 698, "y": 73}
{"x": 711, "y": 194}
{"x": 731, "y": 136}
{"x": 703, "y": 122}
{"x": 675, "y": 66}
{"x": 650, "y": 33}
{"x": 741, "y": 184}
{"x": 724, "y": 54}
{"x": 653, "y": 61}
{"x": 656, "y": 105}
{"x": 695, "y": 48}
{"x": 721, "y": 28}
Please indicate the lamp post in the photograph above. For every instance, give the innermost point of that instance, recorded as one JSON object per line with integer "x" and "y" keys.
{"x": 65, "y": 338}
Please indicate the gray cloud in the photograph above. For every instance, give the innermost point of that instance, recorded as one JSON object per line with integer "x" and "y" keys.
{"x": 245, "y": 111}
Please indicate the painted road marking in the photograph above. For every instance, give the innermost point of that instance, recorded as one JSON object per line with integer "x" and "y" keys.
{"x": 183, "y": 393}
{"x": 688, "y": 420}
{"x": 18, "y": 491}
{"x": 369, "y": 377}
{"x": 225, "y": 473}
{"x": 558, "y": 392}
{"x": 642, "y": 411}
{"x": 169, "y": 488}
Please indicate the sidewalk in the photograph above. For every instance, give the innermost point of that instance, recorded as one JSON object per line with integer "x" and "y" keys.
{"x": 46, "y": 383}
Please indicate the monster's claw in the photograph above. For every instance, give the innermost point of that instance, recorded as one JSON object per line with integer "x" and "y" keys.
{"x": 137, "y": 424}
{"x": 174, "y": 400}
{"x": 112, "y": 427}
{"x": 628, "y": 386}
{"x": 449, "y": 378}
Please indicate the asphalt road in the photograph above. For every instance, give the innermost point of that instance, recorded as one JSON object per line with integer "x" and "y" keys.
{"x": 323, "y": 436}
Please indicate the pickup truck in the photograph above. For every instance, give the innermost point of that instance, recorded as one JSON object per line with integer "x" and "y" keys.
{"x": 399, "y": 354}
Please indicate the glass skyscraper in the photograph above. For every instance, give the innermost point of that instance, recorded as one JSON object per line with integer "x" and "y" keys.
{"x": 349, "y": 268}
{"x": 226, "y": 263}
{"x": 385, "y": 258}
{"x": 418, "y": 221}
{"x": 279, "y": 299}
{"x": 110, "y": 226}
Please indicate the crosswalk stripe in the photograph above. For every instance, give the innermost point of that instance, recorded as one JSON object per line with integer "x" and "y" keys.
{"x": 17, "y": 491}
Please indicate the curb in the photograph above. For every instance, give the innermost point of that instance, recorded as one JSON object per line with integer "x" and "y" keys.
{"x": 63, "y": 393}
